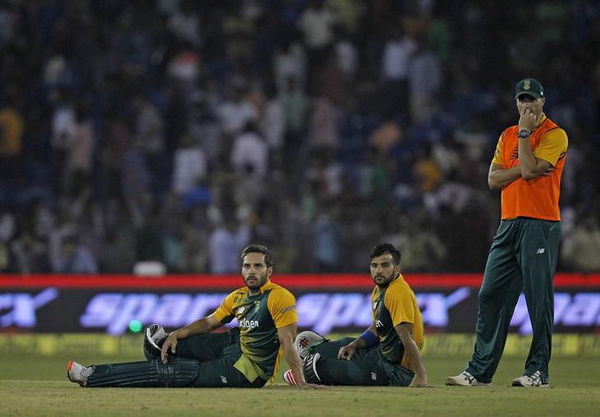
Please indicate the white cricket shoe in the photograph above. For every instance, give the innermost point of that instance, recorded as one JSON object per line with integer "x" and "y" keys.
{"x": 465, "y": 379}
{"x": 78, "y": 373}
{"x": 307, "y": 340}
{"x": 534, "y": 380}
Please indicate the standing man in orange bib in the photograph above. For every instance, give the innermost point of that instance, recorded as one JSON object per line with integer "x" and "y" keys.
{"x": 527, "y": 167}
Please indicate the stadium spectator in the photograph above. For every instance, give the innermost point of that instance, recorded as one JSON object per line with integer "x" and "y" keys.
{"x": 29, "y": 254}
{"x": 273, "y": 120}
{"x": 79, "y": 155}
{"x": 11, "y": 140}
{"x": 72, "y": 257}
{"x": 395, "y": 61}
{"x": 224, "y": 242}
{"x": 581, "y": 246}
{"x": 250, "y": 152}
{"x": 189, "y": 167}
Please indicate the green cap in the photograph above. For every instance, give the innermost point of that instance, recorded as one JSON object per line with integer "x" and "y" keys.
{"x": 529, "y": 86}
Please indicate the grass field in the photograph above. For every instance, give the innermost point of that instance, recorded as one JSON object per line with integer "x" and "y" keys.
{"x": 38, "y": 387}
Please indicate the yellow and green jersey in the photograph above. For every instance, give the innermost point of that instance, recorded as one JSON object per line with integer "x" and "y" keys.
{"x": 259, "y": 316}
{"x": 392, "y": 306}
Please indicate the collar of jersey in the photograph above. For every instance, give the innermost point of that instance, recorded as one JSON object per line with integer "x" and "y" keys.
{"x": 398, "y": 279}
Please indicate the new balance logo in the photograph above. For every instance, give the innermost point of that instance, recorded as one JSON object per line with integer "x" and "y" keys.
{"x": 540, "y": 251}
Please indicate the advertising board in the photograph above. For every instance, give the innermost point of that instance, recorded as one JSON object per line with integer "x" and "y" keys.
{"x": 325, "y": 303}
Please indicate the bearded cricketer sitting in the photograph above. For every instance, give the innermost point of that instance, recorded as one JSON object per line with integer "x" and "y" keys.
{"x": 193, "y": 357}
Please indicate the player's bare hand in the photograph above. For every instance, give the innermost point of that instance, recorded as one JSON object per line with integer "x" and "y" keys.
{"x": 420, "y": 381}
{"x": 313, "y": 386}
{"x": 170, "y": 344}
{"x": 528, "y": 120}
{"x": 347, "y": 352}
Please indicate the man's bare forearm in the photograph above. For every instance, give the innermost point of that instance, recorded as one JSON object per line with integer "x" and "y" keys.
{"x": 414, "y": 359}
{"x": 500, "y": 178}
{"x": 293, "y": 360}
{"x": 527, "y": 161}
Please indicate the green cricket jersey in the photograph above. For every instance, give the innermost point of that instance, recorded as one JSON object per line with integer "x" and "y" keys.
{"x": 392, "y": 306}
{"x": 259, "y": 316}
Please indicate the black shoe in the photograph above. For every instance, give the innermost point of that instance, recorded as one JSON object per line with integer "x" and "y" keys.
{"x": 310, "y": 369}
{"x": 154, "y": 337}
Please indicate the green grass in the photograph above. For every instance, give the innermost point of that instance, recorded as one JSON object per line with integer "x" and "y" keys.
{"x": 38, "y": 387}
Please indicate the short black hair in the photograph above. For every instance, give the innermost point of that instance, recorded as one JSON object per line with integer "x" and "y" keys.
{"x": 254, "y": 248}
{"x": 383, "y": 248}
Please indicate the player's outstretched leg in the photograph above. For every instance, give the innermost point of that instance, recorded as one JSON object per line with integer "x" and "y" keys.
{"x": 309, "y": 342}
{"x": 153, "y": 373}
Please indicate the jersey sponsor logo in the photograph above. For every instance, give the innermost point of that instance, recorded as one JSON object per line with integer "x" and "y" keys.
{"x": 248, "y": 324}
{"x": 288, "y": 308}
{"x": 515, "y": 153}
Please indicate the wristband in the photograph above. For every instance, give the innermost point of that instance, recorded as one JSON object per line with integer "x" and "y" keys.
{"x": 370, "y": 338}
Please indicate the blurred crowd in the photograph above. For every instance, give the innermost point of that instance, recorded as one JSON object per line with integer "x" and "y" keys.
{"x": 165, "y": 135}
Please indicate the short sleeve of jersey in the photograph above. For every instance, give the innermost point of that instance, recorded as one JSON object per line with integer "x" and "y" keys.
{"x": 498, "y": 158}
{"x": 400, "y": 305}
{"x": 282, "y": 306}
{"x": 552, "y": 146}
{"x": 225, "y": 310}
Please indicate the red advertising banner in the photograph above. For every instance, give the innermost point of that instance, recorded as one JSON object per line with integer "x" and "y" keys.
{"x": 325, "y": 303}
{"x": 290, "y": 281}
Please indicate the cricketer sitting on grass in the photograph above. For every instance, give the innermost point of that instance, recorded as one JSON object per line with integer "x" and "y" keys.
{"x": 193, "y": 357}
{"x": 388, "y": 352}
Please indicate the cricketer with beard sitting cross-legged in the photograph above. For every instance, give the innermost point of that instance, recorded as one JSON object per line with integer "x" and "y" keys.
{"x": 193, "y": 357}
{"x": 388, "y": 352}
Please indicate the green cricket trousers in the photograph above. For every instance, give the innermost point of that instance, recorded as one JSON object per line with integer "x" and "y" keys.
{"x": 523, "y": 258}
{"x": 205, "y": 360}
{"x": 367, "y": 367}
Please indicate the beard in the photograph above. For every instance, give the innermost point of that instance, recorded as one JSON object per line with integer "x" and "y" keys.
{"x": 254, "y": 282}
{"x": 382, "y": 280}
